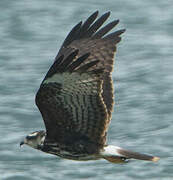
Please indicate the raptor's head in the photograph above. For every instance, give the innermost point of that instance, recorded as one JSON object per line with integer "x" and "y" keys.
{"x": 35, "y": 139}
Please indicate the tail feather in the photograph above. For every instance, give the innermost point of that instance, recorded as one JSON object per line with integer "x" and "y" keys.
{"x": 116, "y": 154}
{"x": 116, "y": 159}
{"x": 135, "y": 155}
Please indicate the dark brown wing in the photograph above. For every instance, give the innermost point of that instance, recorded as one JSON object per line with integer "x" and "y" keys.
{"x": 71, "y": 103}
{"x": 79, "y": 105}
{"x": 87, "y": 37}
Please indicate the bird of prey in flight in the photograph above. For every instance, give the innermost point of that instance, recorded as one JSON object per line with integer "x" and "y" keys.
{"x": 76, "y": 96}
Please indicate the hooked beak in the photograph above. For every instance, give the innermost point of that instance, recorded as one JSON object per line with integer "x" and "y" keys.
{"x": 22, "y": 143}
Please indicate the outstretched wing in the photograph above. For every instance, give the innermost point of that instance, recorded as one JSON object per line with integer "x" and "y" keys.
{"x": 70, "y": 101}
{"x": 76, "y": 96}
{"x": 87, "y": 37}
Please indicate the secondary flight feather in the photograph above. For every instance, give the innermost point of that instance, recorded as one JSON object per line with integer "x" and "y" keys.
{"x": 76, "y": 96}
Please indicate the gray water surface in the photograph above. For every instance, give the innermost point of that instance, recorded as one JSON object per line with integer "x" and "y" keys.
{"x": 31, "y": 33}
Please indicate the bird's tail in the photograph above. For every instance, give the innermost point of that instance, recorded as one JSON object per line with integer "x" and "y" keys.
{"x": 116, "y": 154}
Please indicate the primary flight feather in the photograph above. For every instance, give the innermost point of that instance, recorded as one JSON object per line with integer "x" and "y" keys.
{"x": 76, "y": 96}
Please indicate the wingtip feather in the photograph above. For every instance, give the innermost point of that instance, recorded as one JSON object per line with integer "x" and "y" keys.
{"x": 108, "y": 13}
{"x": 96, "y": 12}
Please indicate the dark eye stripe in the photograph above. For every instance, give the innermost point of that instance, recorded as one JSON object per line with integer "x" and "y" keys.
{"x": 30, "y": 137}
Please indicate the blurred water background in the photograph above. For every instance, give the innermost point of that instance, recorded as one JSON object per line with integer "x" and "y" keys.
{"x": 31, "y": 32}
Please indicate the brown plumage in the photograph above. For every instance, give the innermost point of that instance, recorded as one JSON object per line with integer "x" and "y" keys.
{"x": 76, "y": 96}
{"x": 81, "y": 107}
